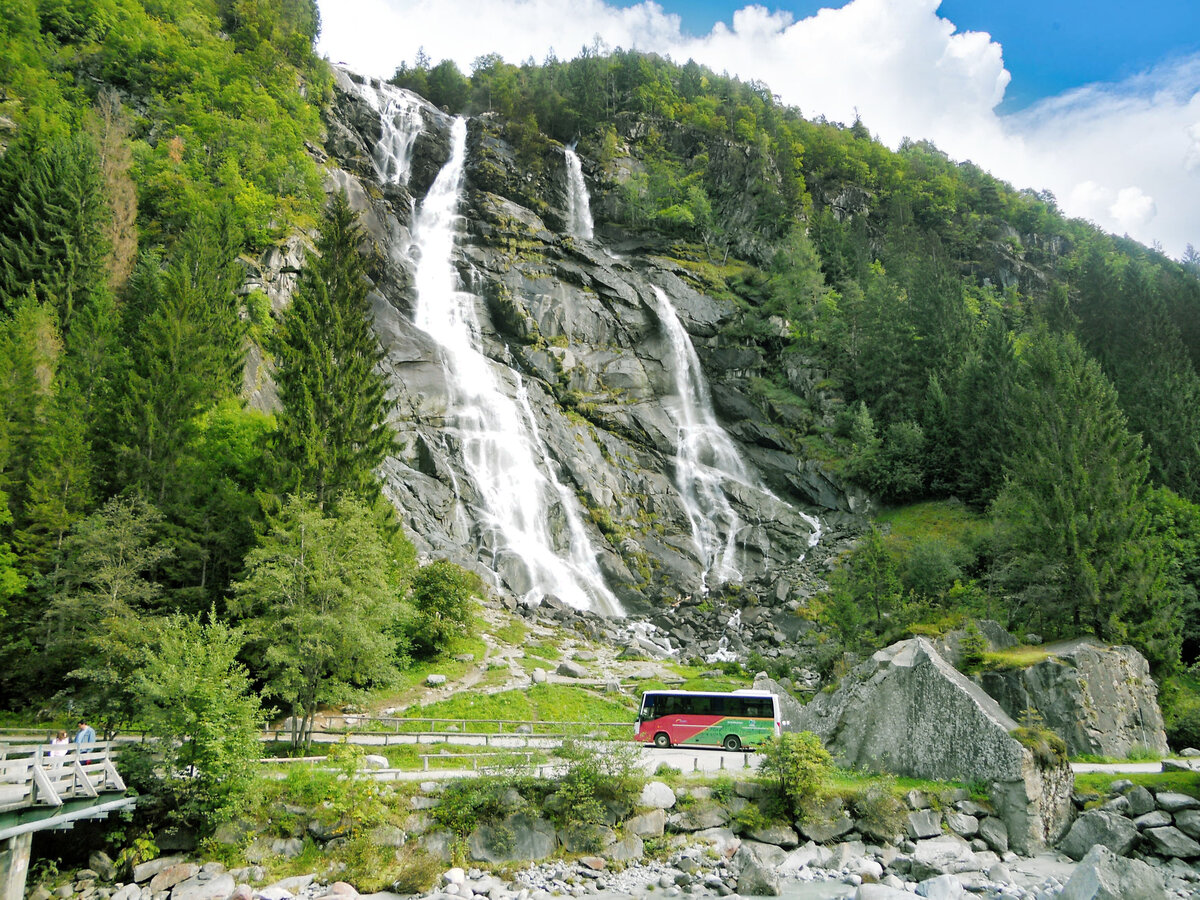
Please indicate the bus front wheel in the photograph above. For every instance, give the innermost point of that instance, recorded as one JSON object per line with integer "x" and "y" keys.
{"x": 731, "y": 742}
{"x": 662, "y": 740}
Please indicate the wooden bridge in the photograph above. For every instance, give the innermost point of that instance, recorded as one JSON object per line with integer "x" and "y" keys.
{"x": 50, "y": 786}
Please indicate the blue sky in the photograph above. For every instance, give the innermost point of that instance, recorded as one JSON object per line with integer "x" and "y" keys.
{"x": 1049, "y": 46}
{"x": 1097, "y": 101}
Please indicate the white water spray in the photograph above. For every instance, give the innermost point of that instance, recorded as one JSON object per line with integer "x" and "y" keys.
{"x": 501, "y": 449}
{"x": 579, "y": 206}
{"x": 704, "y": 456}
{"x": 400, "y": 113}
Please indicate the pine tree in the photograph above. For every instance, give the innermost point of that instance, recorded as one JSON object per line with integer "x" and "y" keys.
{"x": 333, "y": 430}
{"x": 186, "y": 356}
{"x": 1071, "y": 519}
{"x": 52, "y": 213}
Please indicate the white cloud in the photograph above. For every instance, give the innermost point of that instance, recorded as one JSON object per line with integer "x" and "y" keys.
{"x": 1126, "y": 156}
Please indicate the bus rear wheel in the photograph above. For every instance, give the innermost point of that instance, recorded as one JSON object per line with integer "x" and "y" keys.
{"x": 731, "y": 742}
{"x": 662, "y": 740}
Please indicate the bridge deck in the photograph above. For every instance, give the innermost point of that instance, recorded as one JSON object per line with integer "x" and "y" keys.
{"x": 47, "y": 786}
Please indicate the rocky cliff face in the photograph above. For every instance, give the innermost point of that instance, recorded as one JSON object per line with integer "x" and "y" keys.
{"x": 1099, "y": 699}
{"x": 572, "y": 334}
{"x": 908, "y": 711}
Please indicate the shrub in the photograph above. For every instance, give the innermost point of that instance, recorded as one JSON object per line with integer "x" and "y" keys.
{"x": 799, "y": 765}
{"x": 878, "y": 809}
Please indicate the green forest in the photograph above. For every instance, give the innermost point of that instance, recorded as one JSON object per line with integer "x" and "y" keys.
{"x": 1018, "y": 389}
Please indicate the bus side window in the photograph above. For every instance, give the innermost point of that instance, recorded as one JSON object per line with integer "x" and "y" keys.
{"x": 648, "y": 706}
{"x": 718, "y": 706}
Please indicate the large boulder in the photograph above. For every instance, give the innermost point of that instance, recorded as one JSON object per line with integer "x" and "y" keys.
{"x": 519, "y": 837}
{"x": 908, "y": 711}
{"x": 757, "y": 866}
{"x": 1099, "y": 827}
{"x": 1099, "y": 699}
{"x": 1103, "y": 875}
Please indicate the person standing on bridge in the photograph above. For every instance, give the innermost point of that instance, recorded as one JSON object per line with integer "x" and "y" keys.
{"x": 86, "y": 733}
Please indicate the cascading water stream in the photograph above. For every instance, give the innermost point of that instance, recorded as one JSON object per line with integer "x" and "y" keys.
{"x": 400, "y": 113}
{"x": 579, "y": 206}
{"x": 704, "y": 456}
{"x": 501, "y": 448}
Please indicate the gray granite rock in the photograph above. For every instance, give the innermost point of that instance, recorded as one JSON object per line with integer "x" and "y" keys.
{"x": 1170, "y": 841}
{"x": 1103, "y": 875}
{"x": 1099, "y": 826}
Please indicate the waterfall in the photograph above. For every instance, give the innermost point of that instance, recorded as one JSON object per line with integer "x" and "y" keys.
{"x": 579, "y": 207}
{"x": 705, "y": 455}
{"x": 400, "y": 113}
{"x": 501, "y": 448}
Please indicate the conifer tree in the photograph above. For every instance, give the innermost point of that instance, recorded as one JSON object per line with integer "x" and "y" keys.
{"x": 333, "y": 430}
{"x": 52, "y": 213}
{"x": 1071, "y": 519}
{"x": 186, "y": 355}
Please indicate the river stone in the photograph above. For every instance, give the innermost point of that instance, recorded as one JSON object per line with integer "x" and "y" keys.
{"x": 1188, "y": 821}
{"x": 199, "y": 888}
{"x": 909, "y": 712}
{"x": 519, "y": 837}
{"x": 1099, "y": 826}
{"x": 941, "y": 887}
{"x": 1170, "y": 841}
{"x": 627, "y": 849}
{"x": 1103, "y": 875}
{"x": 172, "y": 875}
{"x": 962, "y": 824}
{"x": 1168, "y": 800}
{"x": 775, "y": 833}
{"x": 756, "y": 865}
{"x": 1156, "y": 819}
{"x": 880, "y": 892}
{"x": 1141, "y": 801}
{"x": 945, "y": 855}
{"x": 147, "y": 870}
{"x": 924, "y": 823}
{"x": 657, "y": 795}
{"x": 648, "y": 824}
{"x": 700, "y": 815}
{"x": 571, "y": 669}
{"x": 992, "y": 830}
{"x": 101, "y": 863}
{"x": 827, "y": 827}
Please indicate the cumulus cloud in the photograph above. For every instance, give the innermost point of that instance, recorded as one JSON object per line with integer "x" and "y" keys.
{"x": 1126, "y": 156}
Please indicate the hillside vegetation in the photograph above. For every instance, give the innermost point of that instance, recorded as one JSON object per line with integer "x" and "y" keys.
{"x": 1020, "y": 389}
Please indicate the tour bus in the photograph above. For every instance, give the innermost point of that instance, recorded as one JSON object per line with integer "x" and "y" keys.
{"x": 734, "y": 720}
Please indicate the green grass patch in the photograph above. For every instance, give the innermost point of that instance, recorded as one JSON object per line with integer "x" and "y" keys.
{"x": 513, "y": 634}
{"x": 1179, "y": 782}
{"x": 548, "y": 703}
{"x": 544, "y": 650}
{"x": 1014, "y": 659}
{"x": 945, "y": 521}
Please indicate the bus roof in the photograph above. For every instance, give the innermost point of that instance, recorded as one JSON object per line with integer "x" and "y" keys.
{"x": 740, "y": 692}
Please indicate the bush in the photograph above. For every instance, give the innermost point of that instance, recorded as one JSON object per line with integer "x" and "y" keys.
{"x": 441, "y": 595}
{"x": 879, "y": 811}
{"x": 799, "y": 765}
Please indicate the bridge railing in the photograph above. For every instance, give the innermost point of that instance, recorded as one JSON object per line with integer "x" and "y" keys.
{"x": 49, "y": 774}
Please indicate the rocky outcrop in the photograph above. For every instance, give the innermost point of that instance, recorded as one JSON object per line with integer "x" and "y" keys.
{"x": 574, "y": 330}
{"x": 909, "y": 712}
{"x": 1099, "y": 699}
